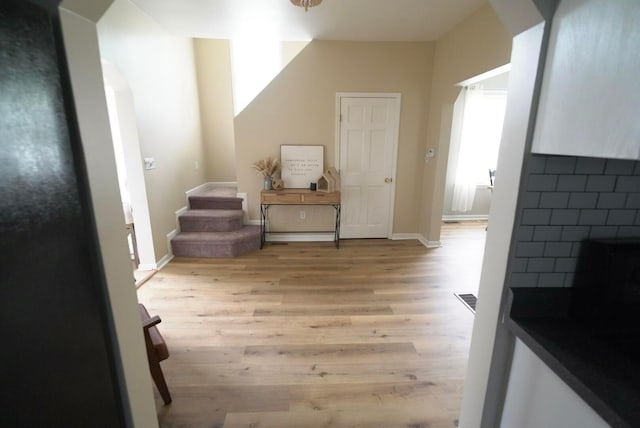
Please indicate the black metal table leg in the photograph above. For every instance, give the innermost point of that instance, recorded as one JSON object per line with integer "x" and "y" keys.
{"x": 263, "y": 227}
{"x": 336, "y": 236}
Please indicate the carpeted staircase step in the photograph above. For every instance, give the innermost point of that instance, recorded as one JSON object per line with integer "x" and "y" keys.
{"x": 216, "y": 199}
{"x": 200, "y": 220}
{"x": 217, "y": 244}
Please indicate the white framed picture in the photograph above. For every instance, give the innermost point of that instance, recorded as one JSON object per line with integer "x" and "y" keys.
{"x": 301, "y": 165}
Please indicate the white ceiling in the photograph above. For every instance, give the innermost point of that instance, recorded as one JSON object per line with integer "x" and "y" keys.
{"x": 361, "y": 20}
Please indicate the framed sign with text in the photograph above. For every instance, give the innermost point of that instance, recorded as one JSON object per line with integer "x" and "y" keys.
{"x": 301, "y": 165}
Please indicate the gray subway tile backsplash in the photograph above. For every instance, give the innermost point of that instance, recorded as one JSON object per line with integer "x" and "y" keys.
{"x": 560, "y": 165}
{"x": 542, "y": 182}
{"x": 557, "y": 249}
{"x": 572, "y": 183}
{"x": 603, "y": 232}
{"x": 564, "y": 217}
{"x": 547, "y": 233}
{"x": 524, "y": 279}
{"x": 590, "y": 165}
{"x": 601, "y": 183}
{"x": 612, "y": 200}
{"x": 630, "y": 231}
{"x": 519, "y": 265}
{"x": 568, "y": 279}
{"x": 541, "y": 265}
{"x": 574, "y": 233}
{"x": 536, "y": 216}
{"x": 583, "y": 200}
{"x": 537, "y": 164}
{"x": 530, "y": 249}
{"x": 622, "y": 217}
{"x": 531, "y": 200}
{"x": 566, "y": 264}
{"x": 619, "y": 167}
{"x": 525, "y": 233}
{"x": 593, "y": 217}
{"x": 554, "y": 199}
{"x": 633, "y": 201}
{"x": 568, "y": 200}
{"x": 628, "y": 184}
{"x": 575, "y": 249}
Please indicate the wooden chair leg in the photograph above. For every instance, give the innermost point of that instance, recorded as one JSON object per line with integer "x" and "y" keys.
{"x": 156, "y": 370}
{"x": 161, "y": 384}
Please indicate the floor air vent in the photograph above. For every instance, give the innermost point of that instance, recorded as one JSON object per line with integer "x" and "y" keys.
{"x": 469, "y": 300}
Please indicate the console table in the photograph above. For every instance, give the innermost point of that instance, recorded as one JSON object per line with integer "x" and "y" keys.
{"x": 298, "y": 197}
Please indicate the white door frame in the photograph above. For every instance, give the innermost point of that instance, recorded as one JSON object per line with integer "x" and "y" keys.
{"x": 394, "y": 161}
{"x": 133, "y": 164}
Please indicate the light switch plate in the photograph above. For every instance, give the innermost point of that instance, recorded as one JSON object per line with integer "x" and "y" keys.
{"x": 149, "y": 163}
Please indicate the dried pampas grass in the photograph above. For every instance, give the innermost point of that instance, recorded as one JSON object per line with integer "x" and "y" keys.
{"x": 267, "y": 167}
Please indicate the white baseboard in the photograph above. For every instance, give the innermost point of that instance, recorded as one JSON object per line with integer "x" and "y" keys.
{"x": 404, "y": 236}
{"x": 417, "y": 236}
{"x": 163, "y": 261}
{"x": 210, "y": 185}
{"x": 299, "y": 237}
{"x": 252, "y": 222}
{"x": 178, "y": 213}
{"x": 465, "y": 217}
{"x": 214, "y": 184}
{"x": 429, "y": 244}
{"x": 169, "y": 256}
{"x": 245, "y": 207}
{"x": 197, "y": 189}
{"x": 147, "y": 267}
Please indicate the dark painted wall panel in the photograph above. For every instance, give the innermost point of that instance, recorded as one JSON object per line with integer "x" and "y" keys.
{"x": 57, "y": 362}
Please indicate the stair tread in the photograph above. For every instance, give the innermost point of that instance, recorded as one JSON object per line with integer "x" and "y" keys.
{"x": 220, "y": 193}
{"x": 246, "y": 231}
{"x": 212, "y": 213}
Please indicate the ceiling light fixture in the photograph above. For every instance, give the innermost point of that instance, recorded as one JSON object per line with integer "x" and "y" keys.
{"x": 306, "y": 3}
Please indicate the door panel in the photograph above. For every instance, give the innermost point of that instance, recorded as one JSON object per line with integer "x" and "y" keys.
{"x": 368, "y": 142}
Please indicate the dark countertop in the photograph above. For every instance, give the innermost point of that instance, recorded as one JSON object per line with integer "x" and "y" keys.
{"x": 603, "y": 371}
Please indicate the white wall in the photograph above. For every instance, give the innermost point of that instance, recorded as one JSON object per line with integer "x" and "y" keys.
{"x": 589, "y": 102}
{"x": 81, "y": 45}
{"x": 524, "y": 63}
{"x": 124, "y": 111}
{"x": 538, "y": 398}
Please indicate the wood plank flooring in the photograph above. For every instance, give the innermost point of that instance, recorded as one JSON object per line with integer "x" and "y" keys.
{"x": 303, "y": 335}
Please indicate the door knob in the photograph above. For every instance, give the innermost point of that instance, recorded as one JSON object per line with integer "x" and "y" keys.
{"x": 388, "y": 180}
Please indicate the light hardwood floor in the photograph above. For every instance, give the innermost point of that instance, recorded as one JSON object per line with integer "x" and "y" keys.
{"x": 303, "y": 335}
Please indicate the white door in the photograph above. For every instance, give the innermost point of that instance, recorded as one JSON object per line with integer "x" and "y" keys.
{"x": 367, "y": 156}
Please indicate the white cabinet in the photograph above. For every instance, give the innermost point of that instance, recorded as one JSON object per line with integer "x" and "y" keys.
{"x": 538, "y": 398}
{"x": 590, "y": 99}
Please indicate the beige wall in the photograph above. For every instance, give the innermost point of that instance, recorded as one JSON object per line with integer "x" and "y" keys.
{"x": 298, "y": 107}
{"x": 161, "y": 73}
{"x": 479, "y": 44}
{"x": 213, "y": 65}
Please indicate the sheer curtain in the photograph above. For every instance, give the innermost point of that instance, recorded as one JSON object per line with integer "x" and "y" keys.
{"x": 479, "y": 143}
